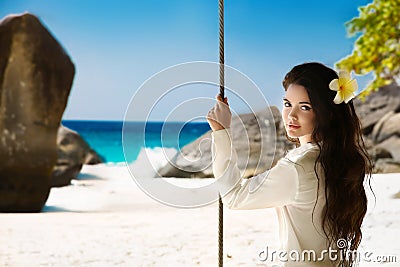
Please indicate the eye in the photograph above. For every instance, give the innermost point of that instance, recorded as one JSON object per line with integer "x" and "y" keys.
{"x": 286, "y": 104}
{"x": 306, "y": 108}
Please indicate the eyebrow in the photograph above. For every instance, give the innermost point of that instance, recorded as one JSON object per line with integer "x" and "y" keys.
{"x": 303, "y": 102}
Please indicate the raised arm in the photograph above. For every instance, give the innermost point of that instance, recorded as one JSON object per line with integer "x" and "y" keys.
{"x": 275, "y": 187}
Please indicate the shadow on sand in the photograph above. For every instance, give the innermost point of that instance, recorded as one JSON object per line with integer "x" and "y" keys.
{"x": 47, "y": 208}
{"x": 88, "y": 176}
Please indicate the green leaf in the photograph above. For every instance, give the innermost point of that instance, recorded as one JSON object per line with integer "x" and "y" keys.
{"x": 377, "y": 49}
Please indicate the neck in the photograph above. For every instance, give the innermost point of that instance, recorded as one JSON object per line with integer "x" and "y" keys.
{"x": 305, "y": 139}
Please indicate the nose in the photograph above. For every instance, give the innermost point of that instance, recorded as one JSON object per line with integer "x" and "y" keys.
{"x": 293, "y": 114}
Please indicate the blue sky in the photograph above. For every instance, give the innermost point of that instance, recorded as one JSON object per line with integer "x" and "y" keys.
{"x": 117, "y": 45}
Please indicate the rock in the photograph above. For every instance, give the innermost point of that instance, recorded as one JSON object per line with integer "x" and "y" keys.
{"x": 380, "y": 153}
{"x": 369, "y": 144}
{"x": 194, "y": 159}
{"x": 376, "y": 130}
{"x": 376, "y": 105}
{"x": 397, "y": 195}
{"x": 73, "y": 152}
{"x": 386, "y": 166}
{"x": 63, "y": 173}
{"x": 36, "y": 76}
{"x": 389, "y": 127}
{"x": 92, "y": 158}
{"x": 392, "y": 145}
{"x": 380, "y": 158}
{"x": 380, "y": 119}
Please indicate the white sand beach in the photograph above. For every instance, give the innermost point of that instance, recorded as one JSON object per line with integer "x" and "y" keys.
{"x": 104, "y": 219}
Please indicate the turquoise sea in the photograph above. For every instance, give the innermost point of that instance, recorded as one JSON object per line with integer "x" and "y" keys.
{"x": 105, "y": 137}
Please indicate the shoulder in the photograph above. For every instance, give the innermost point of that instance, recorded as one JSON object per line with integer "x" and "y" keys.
{"x": 304, "y": 158}
{"x": 306, "y": 152}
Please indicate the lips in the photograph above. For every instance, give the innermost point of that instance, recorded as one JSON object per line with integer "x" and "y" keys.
{"x": 293, "y": 126}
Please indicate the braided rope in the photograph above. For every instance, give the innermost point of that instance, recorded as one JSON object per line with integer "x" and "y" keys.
{"x": 221, "y": 49}
{"x": 221, "y": 92}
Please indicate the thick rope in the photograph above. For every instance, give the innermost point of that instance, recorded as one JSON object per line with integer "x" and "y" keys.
{"x": 221, "y": 50}
{"x": 220, "y": 233}
{"x": 221, "y": 92}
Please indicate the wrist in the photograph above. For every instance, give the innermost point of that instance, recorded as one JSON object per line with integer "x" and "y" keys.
{"x": 217, "y": 128}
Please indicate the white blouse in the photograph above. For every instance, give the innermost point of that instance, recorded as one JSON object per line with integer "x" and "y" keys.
{"x": 291, "y": 186}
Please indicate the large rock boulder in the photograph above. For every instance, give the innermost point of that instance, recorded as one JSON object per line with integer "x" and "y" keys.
{"x": 194, "y": 159}
{"x": 73, "y": 151}
{"x": 377, "y": 105}
{"x": 36, "y": 77}
{"x": 380, "y": 119}
{"x": 390, "y": 127}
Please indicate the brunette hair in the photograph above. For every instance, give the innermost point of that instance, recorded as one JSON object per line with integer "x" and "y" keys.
{"x": 343, "y": 156}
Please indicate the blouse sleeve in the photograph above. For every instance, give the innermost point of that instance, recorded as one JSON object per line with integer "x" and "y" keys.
{"x": 273, "y": 188}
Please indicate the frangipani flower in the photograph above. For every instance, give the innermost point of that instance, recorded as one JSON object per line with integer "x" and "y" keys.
{"x": 344, "y": 86}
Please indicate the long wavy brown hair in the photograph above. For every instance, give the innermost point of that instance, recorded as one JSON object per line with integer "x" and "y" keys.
{"x": 343, "y": 156}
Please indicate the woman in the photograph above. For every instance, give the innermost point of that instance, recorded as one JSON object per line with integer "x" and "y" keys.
{"x": 318, "y": 187}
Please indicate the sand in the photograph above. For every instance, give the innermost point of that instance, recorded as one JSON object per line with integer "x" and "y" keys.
{"x": 104, "y": 219}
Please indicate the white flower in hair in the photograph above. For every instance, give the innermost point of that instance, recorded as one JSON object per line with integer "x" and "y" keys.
{"x": 345, "y": 87}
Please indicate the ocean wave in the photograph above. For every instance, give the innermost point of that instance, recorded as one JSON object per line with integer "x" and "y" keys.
{"x": 150, "y": 160}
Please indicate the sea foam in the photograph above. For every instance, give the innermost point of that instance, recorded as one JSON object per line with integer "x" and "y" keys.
{"x": 150, "y": 160}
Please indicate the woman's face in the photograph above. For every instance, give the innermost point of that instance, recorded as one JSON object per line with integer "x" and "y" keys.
{"x": 298, "y": 114}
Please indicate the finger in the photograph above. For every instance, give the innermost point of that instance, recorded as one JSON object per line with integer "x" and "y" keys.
{"x": 222, "y": 105}
{"x": 219, "y": 98}
{"x": 212, "y": 121}
{"x": 211, "y": 114}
